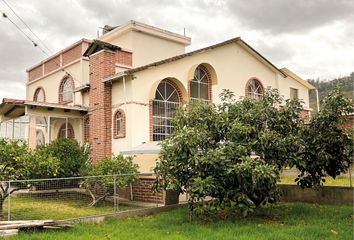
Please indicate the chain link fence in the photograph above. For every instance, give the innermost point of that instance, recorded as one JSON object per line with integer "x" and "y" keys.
{"x": 77, "y": 197}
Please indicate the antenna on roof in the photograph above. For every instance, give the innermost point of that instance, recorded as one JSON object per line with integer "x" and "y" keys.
{"x": 98, "y": 33}
{"x": 184, "y": 31}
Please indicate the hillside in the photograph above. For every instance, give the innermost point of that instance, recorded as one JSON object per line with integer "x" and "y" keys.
{"x": 324, "y": 87}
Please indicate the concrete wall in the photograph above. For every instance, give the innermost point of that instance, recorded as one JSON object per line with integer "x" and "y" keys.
{"x": 323, "y": 195}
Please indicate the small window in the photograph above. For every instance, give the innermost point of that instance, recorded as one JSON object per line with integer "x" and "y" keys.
{"x": 254, "y": 89}
{"x": 119, "y": 124}
{"x": 66, "y": 90}
{"x": 39, "y": 95}
{"x": 294, "y": 93}
{"x": 200, "y": 84}
{"x": 66, "y": 132}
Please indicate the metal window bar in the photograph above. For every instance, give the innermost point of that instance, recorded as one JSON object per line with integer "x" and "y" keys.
{"x": 163, "y": 113}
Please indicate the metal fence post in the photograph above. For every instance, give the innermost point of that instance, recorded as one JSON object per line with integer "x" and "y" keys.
{"x": 9, "y": 202}
{"x": 115, "y": 192}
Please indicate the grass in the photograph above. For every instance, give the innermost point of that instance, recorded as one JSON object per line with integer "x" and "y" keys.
{"x": 285, "y": 221}
{"x": 339, "y": 181}
{"x": 28, "y": 208}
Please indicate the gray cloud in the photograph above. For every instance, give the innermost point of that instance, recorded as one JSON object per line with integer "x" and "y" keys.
{"x": 284, "y": 16}
{"x": 313, "y": 37}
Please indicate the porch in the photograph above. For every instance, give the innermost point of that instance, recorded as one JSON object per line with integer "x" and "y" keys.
{"x": 40, "y": 123}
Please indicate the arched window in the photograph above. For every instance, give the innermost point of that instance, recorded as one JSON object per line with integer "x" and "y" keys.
{"x": 66, "y": 132}
{"x": 200, "y": 85}
{"x": 119, "y": 124}
{"x": 40, "y": 139}
{"x": 66, "y": 90}
{"x": 254, "y": 89}
{"x": 39, "y": 95}
{"x": 164, "y": 106}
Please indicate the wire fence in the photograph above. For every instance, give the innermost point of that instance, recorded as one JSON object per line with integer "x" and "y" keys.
{"x": 77, "y": 197}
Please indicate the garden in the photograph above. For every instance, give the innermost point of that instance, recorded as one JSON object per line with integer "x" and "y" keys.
{"x": 229, "y": 158}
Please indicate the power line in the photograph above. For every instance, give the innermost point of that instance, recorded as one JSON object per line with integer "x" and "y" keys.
{"x": 34, "y": 34}
{"x": 33, "y": 42}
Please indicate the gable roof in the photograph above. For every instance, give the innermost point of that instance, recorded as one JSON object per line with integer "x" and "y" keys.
{"x": 178, "y": 57}
{"x": 98, "y": 45}
{"x": 297, "y": 78}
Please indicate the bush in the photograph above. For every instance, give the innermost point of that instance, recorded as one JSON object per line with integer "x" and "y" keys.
{"x": 101, "y": 187}
{"x": 73, "y": 156}
{"x": 18, "y": 162}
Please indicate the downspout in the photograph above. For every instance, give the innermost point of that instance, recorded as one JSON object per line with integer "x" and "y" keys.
{"x": 317, "y": 100}
{"x": 125, "y": 95}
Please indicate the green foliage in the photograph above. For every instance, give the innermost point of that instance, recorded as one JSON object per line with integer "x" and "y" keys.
{"x": 17, "y": 161}
{"x": 120, "y": 170}
{"x": 208, "y": 153}
{"x": 327, "y": 148}
{"x": 73, "y": 156}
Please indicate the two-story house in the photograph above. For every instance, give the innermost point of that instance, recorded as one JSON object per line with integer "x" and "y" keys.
{"x": 120, "y": 91}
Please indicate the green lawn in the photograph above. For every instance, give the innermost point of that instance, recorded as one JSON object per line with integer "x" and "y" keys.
{"x": 284, "y": 221}
{"x": 29, "y": 208}
{"x": 339, "y": 181}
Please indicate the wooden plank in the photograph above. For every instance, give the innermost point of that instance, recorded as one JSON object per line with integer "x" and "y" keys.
{"x": 26, "y": 225}
{"x": 22, "y": 221}
{"x": 8, "y": 233}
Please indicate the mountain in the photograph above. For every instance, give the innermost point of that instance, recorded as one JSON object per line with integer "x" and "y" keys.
{"x": 325, "y": 86}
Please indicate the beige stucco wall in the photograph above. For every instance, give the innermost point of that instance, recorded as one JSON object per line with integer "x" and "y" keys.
{"x": 50, "y": 83}
{"x": 284, "y": 87}
{"x": 233, "y": 66}
{"x": 146, "y": 162}
{"x": 148, "y": 49}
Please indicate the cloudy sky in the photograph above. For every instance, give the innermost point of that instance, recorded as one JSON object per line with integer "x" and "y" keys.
{"x": 314, "y": 38}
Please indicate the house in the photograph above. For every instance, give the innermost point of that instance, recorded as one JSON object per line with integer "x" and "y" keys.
{"x": 120, "y": 91}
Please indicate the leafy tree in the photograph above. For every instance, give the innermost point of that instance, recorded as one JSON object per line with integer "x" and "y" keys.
{"x": 120, "y": 170}
{"x": 208, "y": 153}
{"x": 327, "y": 148}
{"x": 73, "y": 156}
{"x": 18, "y": 162}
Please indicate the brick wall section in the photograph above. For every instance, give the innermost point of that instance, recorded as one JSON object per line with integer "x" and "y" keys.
{"x": 52, "y": 64}
{"x": 142, "y": 191}
{"x": 102, "y": 64}
{"x": 349, "y": 122}
{"x": 35, "y": 73}
{"x": 305, "y": 114}
{"x": 125, "y": 58}
{"x": 86, "y": 128}
{"x": 72, "y": 54}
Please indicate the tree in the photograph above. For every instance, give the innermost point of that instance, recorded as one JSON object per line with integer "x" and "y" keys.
{"x": 208, "y": 153}
{"x": 18, "y": 162}
{"x": 120, "y": 171}
{"x": 327, "y": 148}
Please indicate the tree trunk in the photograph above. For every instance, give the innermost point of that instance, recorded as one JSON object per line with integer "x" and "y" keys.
{"x": 1, "y": 205}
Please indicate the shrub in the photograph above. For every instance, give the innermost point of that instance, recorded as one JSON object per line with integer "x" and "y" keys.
{"x": 73, "y": 156}
{"x": 101, "y": 187}
{"x": 18, "y": 162}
